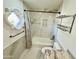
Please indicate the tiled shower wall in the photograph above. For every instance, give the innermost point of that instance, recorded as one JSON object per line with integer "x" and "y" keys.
{"x": 42, "y": 24}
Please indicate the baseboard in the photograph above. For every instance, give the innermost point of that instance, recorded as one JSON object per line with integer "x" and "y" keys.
{"x": 71, "y": 54}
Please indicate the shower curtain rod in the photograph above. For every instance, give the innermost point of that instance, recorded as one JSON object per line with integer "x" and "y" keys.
{"x": 42, "y": 11}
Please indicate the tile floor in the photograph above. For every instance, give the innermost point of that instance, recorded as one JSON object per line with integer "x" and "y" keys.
{"x": 33, "y": 53}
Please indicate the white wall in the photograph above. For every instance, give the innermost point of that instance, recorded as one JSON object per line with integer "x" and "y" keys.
{"x": 13, "y": 4}
{"x": 68, "y": 41}
{"x": 69, "y": 7}
{"x": 19, "y": 46}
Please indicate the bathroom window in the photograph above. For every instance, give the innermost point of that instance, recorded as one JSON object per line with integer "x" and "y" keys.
{"x": 15, "y": 21}
{"x": 44, "y": 22}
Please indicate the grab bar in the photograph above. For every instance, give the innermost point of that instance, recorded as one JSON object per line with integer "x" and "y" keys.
{"x": 15, "y": 34}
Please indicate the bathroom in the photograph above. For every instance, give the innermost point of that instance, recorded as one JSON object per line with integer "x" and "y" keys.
{"x": 29, "y": 26}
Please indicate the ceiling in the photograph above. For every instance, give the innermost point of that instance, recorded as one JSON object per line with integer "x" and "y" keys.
{"x": 43, "y": 5}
